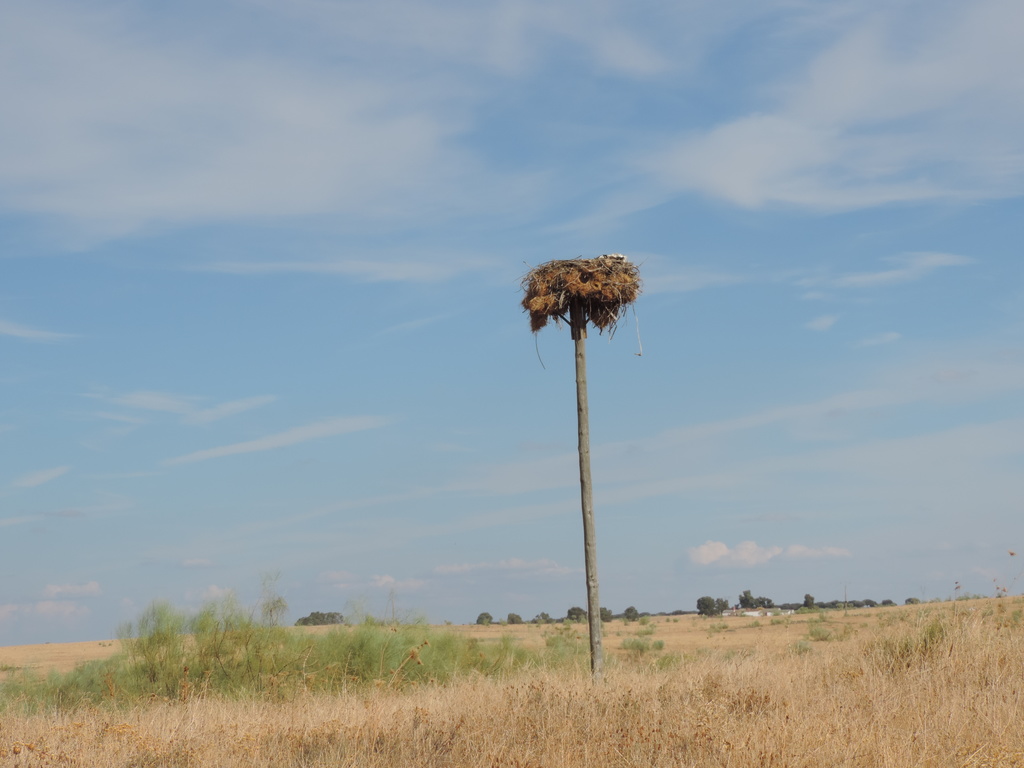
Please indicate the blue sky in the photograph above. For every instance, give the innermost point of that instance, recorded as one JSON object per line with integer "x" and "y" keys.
{"x": 259, "y": 285}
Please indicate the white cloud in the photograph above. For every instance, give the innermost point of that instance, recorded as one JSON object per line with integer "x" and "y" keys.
{"x": 339, "y": 579}
{"x": 879, "y": 116}
{"x": 190, "y": 132}
{"x": 90, "y": 589}
{"x": 213, "y": 592}
{"x": 30, "y": 334}
{"x": 912, "y": 266}
{"x": 390, "y": 582}
{"x": 58, "y": 609}
{"x": 882, "y": 338}
{"x": 294, "y": 436}
{"x": 747, "y": 554}
{"x": 822, "y": 323}
{"x": 39, "y": 478}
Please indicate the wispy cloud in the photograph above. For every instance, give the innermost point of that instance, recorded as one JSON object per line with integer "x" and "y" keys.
{"x": 748, "y": 554}
{"x": 90, "y": 589}
{"x": 390, "y": 582}
{"x": 186, "y": 406}
{"x": 164, "y": 402}
{"x": 294, "y": 436}
{"x": 345, "y": 580}
{"x": 911, "y": 266}
{"x": 338, "y": 579}
{"x": 512, "y": 565}
{"x": 686, "y": 280}
{"x": 196, "y": 562}
{"x": 876, "y": 117}
{"x": 31, "y": 334}
{"x": 123, "y": 418}
{"x": 216, "y": 135}
{"x": 426, "y": 270}
{"x": 58, "y": 609}
{"x": 40, "y": 477}
{"x": 798, "y": 551}
{"x": 213, "y": 592}
{"x": 222, "y": 411}
{"x": 822, "y": 323}
{"x": 882, "y": 338}
{"x": 412, "y": 325}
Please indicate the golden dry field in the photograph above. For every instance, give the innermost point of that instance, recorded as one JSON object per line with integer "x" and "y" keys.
{"x": 680, "y": 634}
{"x": 931, "y": 685}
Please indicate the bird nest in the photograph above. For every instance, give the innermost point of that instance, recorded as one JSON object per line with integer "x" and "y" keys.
{"x": 603, "y": 288}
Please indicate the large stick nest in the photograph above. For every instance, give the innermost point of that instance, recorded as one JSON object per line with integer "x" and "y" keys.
{"x": 604, "y": 286}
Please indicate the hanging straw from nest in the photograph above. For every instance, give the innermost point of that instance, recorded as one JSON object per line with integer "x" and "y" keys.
{"x": 604, "y": 286}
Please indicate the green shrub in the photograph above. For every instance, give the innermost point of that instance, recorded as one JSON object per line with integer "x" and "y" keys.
{"x": 820, "y": 633}
{"x": 636, "y": 645}
{"x": 223, "y": 651}
{"x": 908, "y": 650}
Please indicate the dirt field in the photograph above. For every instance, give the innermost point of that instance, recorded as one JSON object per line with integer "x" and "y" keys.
{"x": 680, "y": 634}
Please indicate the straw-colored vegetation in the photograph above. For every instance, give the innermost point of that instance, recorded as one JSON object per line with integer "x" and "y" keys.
{"x": 931, "y": 685}
{"x": 603, "y": 287}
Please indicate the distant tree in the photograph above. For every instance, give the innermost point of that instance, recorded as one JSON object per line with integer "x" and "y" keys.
{"x": 541, "y": 618}
{"x": 606, "y": 615}
{"x": 631, "y": 614}
{"x": 709, "y": 606}
{"x": 747, "y": 599}
{"x": 576, "y": 614}
{"x": 763, "y": 602}
{"x": 484, "y": 619}
{"x": 808, "y": 601}
{"x": 870, "y": 603}
{"x": 887, "y": 603}
{"x": 514, "y": 618}
{"x": 912, "y": 601}
{"x": 319, "y": 619}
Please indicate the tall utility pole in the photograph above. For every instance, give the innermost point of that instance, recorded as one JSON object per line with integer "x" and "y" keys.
{"x": 578, "y": 323}
{"x": 582, "y": 291}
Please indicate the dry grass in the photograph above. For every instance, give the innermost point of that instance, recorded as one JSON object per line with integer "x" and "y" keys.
{"x": 683, "y": 635}
{"x": 929, "y": 686}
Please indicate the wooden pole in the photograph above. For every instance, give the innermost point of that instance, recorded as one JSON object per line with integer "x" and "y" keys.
{"x": 578, "y": 321}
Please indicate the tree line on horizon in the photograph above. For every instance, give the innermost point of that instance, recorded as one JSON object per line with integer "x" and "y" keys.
{"x": 706, "y": 606}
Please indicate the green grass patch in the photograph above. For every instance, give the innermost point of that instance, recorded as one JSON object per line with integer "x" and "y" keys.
{"x": 223, "y": 651}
